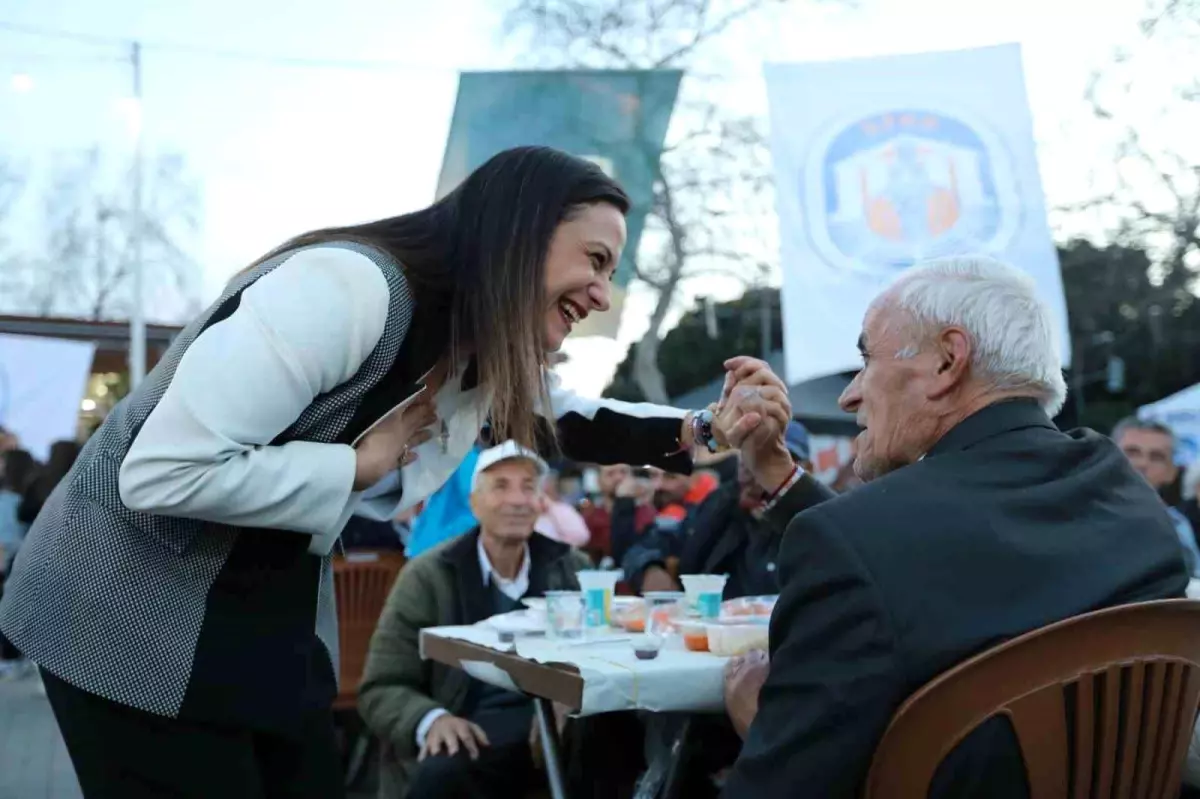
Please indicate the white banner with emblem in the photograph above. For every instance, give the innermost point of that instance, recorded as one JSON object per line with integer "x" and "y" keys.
{"x": 42, "y": 381}
{"x": 883, "y": 162}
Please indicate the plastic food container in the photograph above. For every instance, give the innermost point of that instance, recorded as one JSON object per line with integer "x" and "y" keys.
{"x": 695, "y": 636}
{"x": 737, "y": 638}
{"x": 749, "y": 606}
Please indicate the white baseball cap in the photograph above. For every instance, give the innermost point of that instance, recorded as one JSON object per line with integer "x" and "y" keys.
{"x": 508, "y": 451}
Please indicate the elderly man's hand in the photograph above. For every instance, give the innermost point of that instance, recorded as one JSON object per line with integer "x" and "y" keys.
{"x": 751, "y": 372}
{"x": 752, "y": 415}
{"x": 744, "y": 678}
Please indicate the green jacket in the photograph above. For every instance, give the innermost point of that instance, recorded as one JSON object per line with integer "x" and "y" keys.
{"x": 436, "y": 589}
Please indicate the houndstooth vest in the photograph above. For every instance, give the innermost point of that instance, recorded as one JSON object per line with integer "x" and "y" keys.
{"x": 134, "y": 607}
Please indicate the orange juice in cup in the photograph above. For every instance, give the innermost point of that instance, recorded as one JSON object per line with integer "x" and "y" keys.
{"x": 695, "y": 636}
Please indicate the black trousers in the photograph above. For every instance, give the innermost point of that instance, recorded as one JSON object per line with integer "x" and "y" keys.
{"x": 123, "y": 753}
{"x": 504, "y": 770}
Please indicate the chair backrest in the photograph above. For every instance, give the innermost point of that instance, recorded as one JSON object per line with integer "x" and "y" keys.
{"x": 362, "y": 580}
{"x": 1103, "y": 706}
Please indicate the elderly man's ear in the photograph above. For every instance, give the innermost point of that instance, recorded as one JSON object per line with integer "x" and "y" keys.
{"x": 953, "y": 352}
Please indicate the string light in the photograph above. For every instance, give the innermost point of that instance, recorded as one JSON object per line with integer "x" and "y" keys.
{"x": 219, "y": 53}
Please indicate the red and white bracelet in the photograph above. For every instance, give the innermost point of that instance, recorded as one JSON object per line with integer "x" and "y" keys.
{"x": 773, "y": 498}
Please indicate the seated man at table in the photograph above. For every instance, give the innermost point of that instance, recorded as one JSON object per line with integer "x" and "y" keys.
{"x": 979, "y": 521}
{"x": 445, "y": 734}
{"x": 728, "y": 535}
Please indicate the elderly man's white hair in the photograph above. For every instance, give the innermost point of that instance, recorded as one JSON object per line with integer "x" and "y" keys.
{"x": 1010, "y": 327}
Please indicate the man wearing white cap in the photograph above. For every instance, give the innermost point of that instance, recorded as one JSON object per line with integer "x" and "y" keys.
{"x": 448, "y": 735}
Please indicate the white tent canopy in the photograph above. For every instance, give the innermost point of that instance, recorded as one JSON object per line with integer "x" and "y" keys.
{"x": 1180, "y": 412}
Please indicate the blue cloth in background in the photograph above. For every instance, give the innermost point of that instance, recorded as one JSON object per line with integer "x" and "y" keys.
{"x": 447, "y": 514}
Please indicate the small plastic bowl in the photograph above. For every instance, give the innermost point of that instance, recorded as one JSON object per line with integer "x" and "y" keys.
{"x": 646, "y": 647}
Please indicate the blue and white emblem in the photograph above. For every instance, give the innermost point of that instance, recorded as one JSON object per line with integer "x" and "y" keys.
{"x": 902, "y": 186}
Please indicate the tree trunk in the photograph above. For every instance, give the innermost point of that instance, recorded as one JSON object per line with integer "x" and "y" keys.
{"x": 645, "y": 361}
{"x": 645, "y": 355}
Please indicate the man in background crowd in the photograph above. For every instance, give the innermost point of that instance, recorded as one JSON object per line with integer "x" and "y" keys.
{"x": 1150, "y": 448}
{"x": 599, "y": 514}
{"x": 728, "y": 536}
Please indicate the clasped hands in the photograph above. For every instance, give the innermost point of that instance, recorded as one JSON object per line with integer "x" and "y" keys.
{"x": 751, "y": 416}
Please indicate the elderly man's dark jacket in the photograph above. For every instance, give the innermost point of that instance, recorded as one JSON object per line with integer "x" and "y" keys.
{"x": 1007, "y": 525}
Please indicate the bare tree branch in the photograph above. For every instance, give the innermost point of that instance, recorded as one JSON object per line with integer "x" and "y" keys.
{"x": 704, "y": 32}
{"x": 714, "y": 165}
{"x": 1156, "y": 196}
{"x": 90, "y": 232}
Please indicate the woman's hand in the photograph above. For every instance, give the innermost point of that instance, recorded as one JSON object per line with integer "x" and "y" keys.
{"x": 738, "y": 413}
{"x": 393, "y": 442}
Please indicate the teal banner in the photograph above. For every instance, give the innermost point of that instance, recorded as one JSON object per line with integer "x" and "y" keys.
{"x": 618, "y": 119}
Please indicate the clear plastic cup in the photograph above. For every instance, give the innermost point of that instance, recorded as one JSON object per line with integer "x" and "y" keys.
{"x": 598, "y": 588}
{"x": 664, "y": 609}
{"x": 704, "y": 593}
{"x": 564, "y": 614}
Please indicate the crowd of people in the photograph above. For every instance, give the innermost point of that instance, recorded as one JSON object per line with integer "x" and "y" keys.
{"x": 176, "y": 588}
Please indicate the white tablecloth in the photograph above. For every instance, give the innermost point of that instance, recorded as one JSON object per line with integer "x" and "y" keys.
{"x": 614, "y": 679}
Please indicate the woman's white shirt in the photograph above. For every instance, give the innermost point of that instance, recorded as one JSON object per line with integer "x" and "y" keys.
{"x": 204, "y": 451}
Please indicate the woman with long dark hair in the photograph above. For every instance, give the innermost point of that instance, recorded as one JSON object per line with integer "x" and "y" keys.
{"x": 176, "y": 589}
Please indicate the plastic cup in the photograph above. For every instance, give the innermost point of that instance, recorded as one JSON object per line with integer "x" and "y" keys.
{"x": 564, "y": 614}
{"x": 598, "y": 588}
{"x": 704, "y": 593}
{"x": 663, "y": 611}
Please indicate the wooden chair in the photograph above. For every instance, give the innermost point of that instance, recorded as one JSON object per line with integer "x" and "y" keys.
{"x": 1132, "y": 674}
{"x": 362, "y": 580}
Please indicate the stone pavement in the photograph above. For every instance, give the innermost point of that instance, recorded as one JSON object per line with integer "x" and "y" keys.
{"x": 33, "y": 761}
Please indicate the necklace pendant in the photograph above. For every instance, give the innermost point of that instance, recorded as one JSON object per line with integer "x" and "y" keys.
{"x": 444, "y": 439}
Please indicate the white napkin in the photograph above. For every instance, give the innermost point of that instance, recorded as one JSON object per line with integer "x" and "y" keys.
{"x": 518, "y": 621}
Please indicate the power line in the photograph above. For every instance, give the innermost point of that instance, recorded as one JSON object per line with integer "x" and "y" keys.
{"x": 47, "y": 33}
{"x": 219, "y": 53}
{"x": 9, "y": 56}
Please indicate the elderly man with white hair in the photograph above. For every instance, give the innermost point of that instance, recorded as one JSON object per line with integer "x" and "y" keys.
{"x": 978, "y": 521}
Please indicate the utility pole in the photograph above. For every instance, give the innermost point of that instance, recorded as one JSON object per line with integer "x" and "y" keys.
{"x": 764, "y": 313}
{"x": 137, "y": 316}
